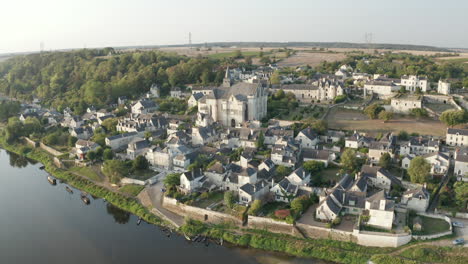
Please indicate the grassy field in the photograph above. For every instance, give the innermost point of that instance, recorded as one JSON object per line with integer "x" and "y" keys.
{"x": 439, "y": 107}
{"x": 344, "y": 119}
{"x": 310, "y": 58}
{"x": 87, "y": 172}
{"x": 143, "y": 175}
{"x": 330, "y": 174}
{"x": 223, "y": 55}
{"x": 132, "y": 189}
{"x": 212, "y": 199}
{"x": 430, "y": 226}
{"x": 270, "y": 208}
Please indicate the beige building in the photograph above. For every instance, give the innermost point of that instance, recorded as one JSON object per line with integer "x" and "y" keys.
{"x": 233, "y": 104}
{"x": 413, "y": 82}
{"x": 403, "y": 104}
{"x": 457, "y": 137}
{"x": 321, "y": 90}
{"x": 443, "y": 87}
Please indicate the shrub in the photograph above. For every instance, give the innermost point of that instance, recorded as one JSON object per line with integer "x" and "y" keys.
{"x": 282, "y": 214}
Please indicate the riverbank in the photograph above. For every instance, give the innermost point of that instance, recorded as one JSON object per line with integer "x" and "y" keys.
{"x": 325, "y": 249}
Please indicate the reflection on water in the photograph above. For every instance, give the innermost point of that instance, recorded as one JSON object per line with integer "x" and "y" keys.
{"x": 120, "y": 216}
{"x": 45, "y": 224}
{"x": 18, "y": 161}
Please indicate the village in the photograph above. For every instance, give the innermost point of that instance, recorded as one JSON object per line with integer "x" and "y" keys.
{"x": 234, "y": 154}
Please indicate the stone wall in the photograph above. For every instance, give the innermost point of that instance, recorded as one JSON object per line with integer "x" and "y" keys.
{"x": 270, "y": 225}
{"x": 380, "y": 239}
{"x": 31, "y": 142}
{"x": 442, "y": 217}
{"x": 326, "y": 233}
{"x": 201, "y": 214}
{"x": 51, "y": 151}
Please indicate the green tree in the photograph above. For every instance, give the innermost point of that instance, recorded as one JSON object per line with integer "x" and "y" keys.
{"x": 282, "y": 171}
{"x": 373, "y": 110}
{"x": 419, "y": 170}
{"x": 321, "y": 126}
{"x": 385, "y": 116}
{"x": 297, "y": 204}
{"x": 349, "y": 160}
{"x": 313, "y": 166}
{"x": 140, "y": 163}
{"x": 229, "y": 199}
{"x": 419, "y": 112}
{"x": 205, "y": 78}
{"x": 403, "y": 135}
{"x": 91, "y": 155}
{"x": 238, "y": 54}
{"x": 255, "y": 207}
{"x": 453, "y": 117}
{"x": 461, "y": 193}
{"x": 72, "y": 141}
{"x": 248, "y": 60}
{"x": 110, "y": 124}
{"x": 108, "y": 154}
{"x": 385, "y": 160}
{"x": 115, "y": 170}
{"x": 172, "y": 179}
{"x": 260, "y": 144}
{"x": 275, "y": 78}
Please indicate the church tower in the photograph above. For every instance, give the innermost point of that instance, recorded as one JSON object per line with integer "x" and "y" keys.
{"x": 227, "y": 81}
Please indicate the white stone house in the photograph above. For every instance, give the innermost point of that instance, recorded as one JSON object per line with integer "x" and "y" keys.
{"x": 323, "y": 156}
{"x": 439, "y": 162}
{"x": 191, "y": 181}
{"x": 137, "y": 147}
{"x": 457, "y": 137}
{"x": 443, "y": 87}
{"x": 404, "y": 104}
{"x": 194, "y": 98}
{"x": 416, "y": 199}
{"x": 144, "y": 107}
{"x": 381, "y": 88}
{"x": 379, "y": 177}
{"x": 381, "y": 211}
{"x": 420, "y": 146}
{"x": 250, "y": 192}
{"x": 413, "y": 82}
{"x": 203, "y": 135}
{"x": 120, "y": 141}
{"x": 357, "y": 141}
{"x": 307, "y": 138}
{"x": 332, "y": 136}
{"x": 82, "y": 147}
{"x": 284, "y": 191}
{"x": 299, "y": 177}
{"x": 461, "y": 164}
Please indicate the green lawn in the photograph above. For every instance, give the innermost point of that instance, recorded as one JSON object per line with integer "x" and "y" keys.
{"x": 430, "y": 225}
{"x": 330, "y": 174}
{"x": 214, "y": 197}
{"x": 87, "y": 172}
{"x": 143, "y": 175}
{"x": 270, "y": 208}
{"x": 132, "y": 189}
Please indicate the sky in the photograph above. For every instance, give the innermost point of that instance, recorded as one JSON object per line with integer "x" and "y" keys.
{"x": 64, "y": 24}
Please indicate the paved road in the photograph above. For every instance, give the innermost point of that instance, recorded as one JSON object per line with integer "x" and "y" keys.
{"x": 156, "y": 195}
{"x": 461, "y": 232}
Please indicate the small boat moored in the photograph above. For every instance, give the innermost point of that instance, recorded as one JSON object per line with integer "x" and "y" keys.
{"x": 68, "y": 189}
{"x": 85, "y": 199}
{"x": 52, "y": 180}
{"x": 139, "y": 221}
{"x": 42, "y": 167}
{"x": 187, "y": 237}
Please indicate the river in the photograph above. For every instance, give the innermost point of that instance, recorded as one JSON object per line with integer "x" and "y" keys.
{"x": 42, "y": 223}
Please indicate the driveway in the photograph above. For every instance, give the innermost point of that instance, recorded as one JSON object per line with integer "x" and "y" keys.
{"x": 156, "y": 196}
{"x": 461, "y": 232}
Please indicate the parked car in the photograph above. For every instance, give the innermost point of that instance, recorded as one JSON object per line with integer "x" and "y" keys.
{"x": 459, "y": 241}
{"x": 458, "y": 224}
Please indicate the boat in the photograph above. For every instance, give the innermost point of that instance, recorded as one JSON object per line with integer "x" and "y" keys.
{"x": 68, "y": 189}
{"x": 42, "y": 167}
{"x": 187, "y": 237}
{"x": 195, "y": 239}
{"x": 52, "y": 180}
{"x": 221, "y": 241}
{"x": 85, "y": 199}
{"x": 139, "y": 221}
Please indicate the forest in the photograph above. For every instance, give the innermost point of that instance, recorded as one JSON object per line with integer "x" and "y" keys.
{"x": 99, "y": 76}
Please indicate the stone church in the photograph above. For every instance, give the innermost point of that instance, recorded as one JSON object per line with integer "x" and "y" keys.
{"x": 232, "y": 104}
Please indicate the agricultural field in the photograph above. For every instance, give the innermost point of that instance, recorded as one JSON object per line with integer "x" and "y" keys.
{"x": 345, "y": 119}
{"x": 310, "y": 58}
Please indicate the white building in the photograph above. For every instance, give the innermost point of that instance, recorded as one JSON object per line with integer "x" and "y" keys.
{"x": 413, "y": 82}
{"x": 144, "y": 107}
{"x": 381, "y": 88}
{"x": 416, "y": 199}
{"x": 120, "y": 141}
{"x": 457, "y": 137}
{"x": 404, "y": 104}
{"x": 233, "y": 104}
{"x": 381, "y": 211}
{"x": 307, "y": 138}
{"x": 443, "y": 87}
{"x": 461, "y": 164}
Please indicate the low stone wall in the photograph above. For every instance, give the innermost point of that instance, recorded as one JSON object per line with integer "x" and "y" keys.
{"x": 132, "y": 181}
{"x": 326, "y": 233}
{"x": 201, "y": 214}
{"x": 52, "y": 151}
{"x": 270, "y": 225}
{"x": 438, "y": 216}
{"x": 450, "y": 214}
{"x": 430, "y": 98}
{"x": 380, "y": 239}
{"x": 31, "y": 142}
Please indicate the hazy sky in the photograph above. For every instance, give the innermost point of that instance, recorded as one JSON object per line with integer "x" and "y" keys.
{"x": 24, "y": 24}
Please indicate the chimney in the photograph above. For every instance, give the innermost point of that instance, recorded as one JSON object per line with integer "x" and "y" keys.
{"x": 344, "y": 198}
{"x": 272, "y": 182}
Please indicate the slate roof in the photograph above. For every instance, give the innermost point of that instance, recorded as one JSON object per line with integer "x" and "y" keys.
{"x": 309, "y": 133}
{"x": 459, "y": 131}
{"x": 251, "y": 189}
{"x": 288, "y": 187}
{"x": 315, "y": 154}
{"x": 462, "y": 155}
{"x": 130, "y": 134}
{"x": 192, "y": 175}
